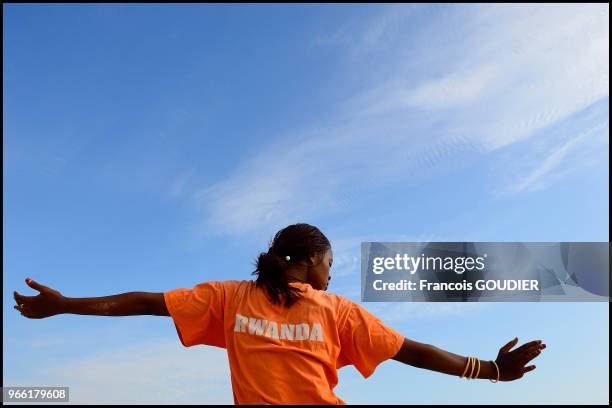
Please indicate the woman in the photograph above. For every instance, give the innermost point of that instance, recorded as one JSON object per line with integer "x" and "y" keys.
{"x": 285, "y": 335}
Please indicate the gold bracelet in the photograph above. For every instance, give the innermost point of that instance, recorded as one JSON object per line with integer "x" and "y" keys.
{"x": 473, "y": 366}
{"x": 466, "y": 367}
{"x": 497, "y": 368}
{"x": 478, "y": 371}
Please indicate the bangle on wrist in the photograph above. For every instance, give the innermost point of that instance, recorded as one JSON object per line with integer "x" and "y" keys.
{"x": 497, "y": 368}
{"x": 477, "y": 371}
{"x": 473, "y": 366}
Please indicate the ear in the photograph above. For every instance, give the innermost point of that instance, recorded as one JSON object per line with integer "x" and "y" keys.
{"x": 313, "y": 259}
{"x": 316, "y": 259}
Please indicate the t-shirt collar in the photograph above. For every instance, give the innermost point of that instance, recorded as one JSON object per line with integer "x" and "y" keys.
{"x": 300, "y": 284}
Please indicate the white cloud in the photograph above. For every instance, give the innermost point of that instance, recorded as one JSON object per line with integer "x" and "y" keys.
{"x": 535, "y": 179}
{"x": 473, "y": 80}
{"x": 153, "y": 372}
{"x": 453, "y": 90}
{"x": 521, "y": 68}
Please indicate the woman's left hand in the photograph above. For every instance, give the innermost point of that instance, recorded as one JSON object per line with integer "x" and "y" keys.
{"x": 513, "y": 364}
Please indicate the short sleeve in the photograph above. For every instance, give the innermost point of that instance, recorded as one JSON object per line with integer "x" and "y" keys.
{"x": 198, "y": 313}
{"x": 365, "y": 341}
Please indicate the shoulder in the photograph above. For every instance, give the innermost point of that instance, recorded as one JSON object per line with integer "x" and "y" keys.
{"x": 235, "y": 283}
{"x": 226, "y": 283}
{"x": 226, "y": 287}
{"x": 337, "y": 299}
{"x": 340, "y": 305}
{"x": 232, "y": 286}
{"x": 348, "y": 310}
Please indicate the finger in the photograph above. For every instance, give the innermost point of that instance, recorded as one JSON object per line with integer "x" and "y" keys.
{"x": 27, "y": 312}
{"x": 528, "y": 369}
{"x": 529, "y": 346}
{"x": 20, "y": 310}
{"x": 508, "y": 346}
{"x": 36, "y": 285}
{"x": 21, "y": 298}
{"x": 24, "y": 308}
{"x": 530, "y": 356}
{"x": 526, "y": 353}
{"x": 540, "y": 346}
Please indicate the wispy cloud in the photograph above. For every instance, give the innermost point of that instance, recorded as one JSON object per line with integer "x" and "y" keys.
{"x": 179, "y": 184}
{"x": 150, "y": 372}
{"x": 466, "y": 82}
{"x": 506, "y": 72}
{"x": 538, "y": 177}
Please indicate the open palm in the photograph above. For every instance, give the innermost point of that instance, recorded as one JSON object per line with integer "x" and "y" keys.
{"x": 513, "y": 364}
{"x": 48, "y": 302}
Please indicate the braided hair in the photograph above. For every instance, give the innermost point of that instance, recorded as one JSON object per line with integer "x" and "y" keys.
{"x": 297, "y": 242}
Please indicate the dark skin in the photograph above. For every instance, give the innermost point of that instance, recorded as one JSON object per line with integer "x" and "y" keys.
{"x": 316, "y": 272}
{"x": 512, "y": 363}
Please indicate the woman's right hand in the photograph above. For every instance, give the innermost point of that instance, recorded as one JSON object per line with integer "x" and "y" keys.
{"x": 48, "y": 302}
{"x": 512, "y": 364}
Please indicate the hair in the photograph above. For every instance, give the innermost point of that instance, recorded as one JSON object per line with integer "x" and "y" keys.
{"x": 299, "y": 242}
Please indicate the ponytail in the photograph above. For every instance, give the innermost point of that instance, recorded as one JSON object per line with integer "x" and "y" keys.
{"x": 271, "y": 270}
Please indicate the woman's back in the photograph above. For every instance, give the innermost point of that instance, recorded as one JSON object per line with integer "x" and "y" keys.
{"x": 279, "y": 354}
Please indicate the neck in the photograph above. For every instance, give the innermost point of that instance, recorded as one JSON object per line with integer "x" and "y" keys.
{"x": 296, "y": 275}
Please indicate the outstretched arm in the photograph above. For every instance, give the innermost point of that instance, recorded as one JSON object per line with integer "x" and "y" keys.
{"x": 50, "y": 302}
{"x": 512, "y": 364}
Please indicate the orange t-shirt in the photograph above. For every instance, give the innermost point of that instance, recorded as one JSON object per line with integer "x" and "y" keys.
{"x": 279, "y": 355}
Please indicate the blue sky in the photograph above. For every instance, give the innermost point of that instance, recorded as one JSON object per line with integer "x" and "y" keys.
{"x": 153, "y": 147}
